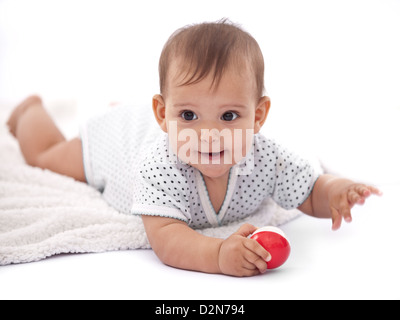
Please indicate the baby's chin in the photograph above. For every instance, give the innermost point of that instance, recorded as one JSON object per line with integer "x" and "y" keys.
{"x": 213, "y": 167}
{"x": 213, "y": 171}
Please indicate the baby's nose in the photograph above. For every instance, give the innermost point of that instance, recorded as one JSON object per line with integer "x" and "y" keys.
{"x": 209, "y": 136}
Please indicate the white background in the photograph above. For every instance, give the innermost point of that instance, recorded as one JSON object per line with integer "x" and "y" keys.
{"x": 332, "y": 72}
{"x": 332, "y": 67}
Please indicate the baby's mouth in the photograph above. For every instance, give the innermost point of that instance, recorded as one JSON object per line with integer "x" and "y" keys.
{"x": 212, "y": 155}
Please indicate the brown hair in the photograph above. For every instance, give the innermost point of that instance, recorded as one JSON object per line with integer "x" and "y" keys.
{"x": 210, "y": 47}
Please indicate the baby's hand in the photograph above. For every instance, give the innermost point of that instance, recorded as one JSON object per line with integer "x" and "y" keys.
{"x": 344, "y": 196}
{"x": 241, "y": 256}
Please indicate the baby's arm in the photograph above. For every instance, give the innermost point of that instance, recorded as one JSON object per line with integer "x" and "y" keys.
{"x": 334, "y": 197}
{"x": 177, "y": 245}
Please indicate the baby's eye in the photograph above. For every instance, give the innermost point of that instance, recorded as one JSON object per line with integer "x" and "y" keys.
{"x": 188, "y": 115}
{"x": 229, "y": 116}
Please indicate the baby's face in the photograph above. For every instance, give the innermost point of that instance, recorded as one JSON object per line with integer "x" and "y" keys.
{"x": 212, "y": 128}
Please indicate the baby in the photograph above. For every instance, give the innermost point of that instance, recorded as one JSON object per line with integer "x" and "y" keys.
{"x": 207, "y": 166}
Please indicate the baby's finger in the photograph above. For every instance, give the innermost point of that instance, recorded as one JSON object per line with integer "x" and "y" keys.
{"x": 354, "y": 197}
{"x": 375, "y": 191}
{"x": 248, "y": 264}
{"x": 362, "y": 190}
{"x": 336, "y": 219}
{"x": 250, "y": 272}
{"x": 256, "y": 261}
{"x": 258, "y": 249}
{"x": 246, "y": 230}
{"x": 344, "y": 209}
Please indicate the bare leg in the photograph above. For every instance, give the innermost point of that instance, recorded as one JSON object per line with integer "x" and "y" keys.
{"x": 41, "y": 142}
{"x": 34, "y": 129}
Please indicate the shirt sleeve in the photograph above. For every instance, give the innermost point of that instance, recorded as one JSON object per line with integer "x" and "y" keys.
{"x": 293, "y": 177}
{"x": 161, "y": 190}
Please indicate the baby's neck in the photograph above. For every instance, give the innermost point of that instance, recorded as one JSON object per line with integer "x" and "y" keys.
{"x": 217, "y": 188}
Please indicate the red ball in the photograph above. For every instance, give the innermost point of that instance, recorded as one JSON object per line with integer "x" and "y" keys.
{"x": 275, "y": 242}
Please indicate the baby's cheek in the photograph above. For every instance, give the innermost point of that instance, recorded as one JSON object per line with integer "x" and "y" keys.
{"x": 242, "y": 144}
{"x": 187, "y": 152}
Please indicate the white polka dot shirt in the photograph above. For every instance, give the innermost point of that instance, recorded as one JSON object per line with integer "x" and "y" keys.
{"x": 128, "y": 159}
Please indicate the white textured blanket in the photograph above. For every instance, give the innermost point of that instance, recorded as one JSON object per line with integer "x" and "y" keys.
{"x": 44, "y": 214}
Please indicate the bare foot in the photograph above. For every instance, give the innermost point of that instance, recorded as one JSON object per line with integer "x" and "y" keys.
{"x": 12, "y": 122}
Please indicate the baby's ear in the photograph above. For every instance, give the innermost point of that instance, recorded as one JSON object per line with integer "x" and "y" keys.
{"x": 262, "y": 110}
{"x": 159, "y": 111}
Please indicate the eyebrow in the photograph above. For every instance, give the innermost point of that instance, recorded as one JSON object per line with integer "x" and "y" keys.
{"x": 233, "y": 105}
{"x": 180, "y": 105}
